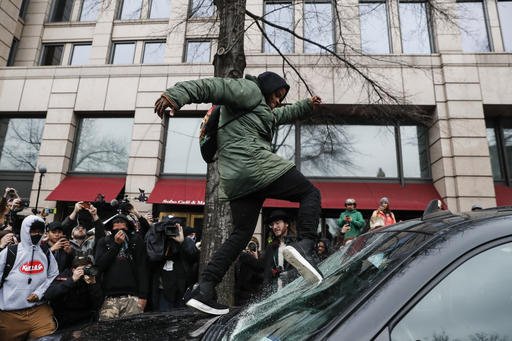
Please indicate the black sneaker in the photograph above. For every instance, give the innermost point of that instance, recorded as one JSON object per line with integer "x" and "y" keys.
{"x": 203, "y": 300}
{"x": 301, "y": 255}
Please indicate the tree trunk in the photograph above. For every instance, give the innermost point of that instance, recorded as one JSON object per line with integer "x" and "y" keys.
{"x": 229, "y": 61}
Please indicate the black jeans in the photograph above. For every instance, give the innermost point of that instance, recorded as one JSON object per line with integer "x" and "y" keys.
{"x": 291, "y": 186}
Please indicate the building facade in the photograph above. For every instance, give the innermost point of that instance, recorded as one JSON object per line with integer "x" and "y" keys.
{"x": 78, "y": 80}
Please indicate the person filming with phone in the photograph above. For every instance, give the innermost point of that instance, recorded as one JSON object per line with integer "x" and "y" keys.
{"x": 59, "y": 245}
{"x": 351, "y": 222}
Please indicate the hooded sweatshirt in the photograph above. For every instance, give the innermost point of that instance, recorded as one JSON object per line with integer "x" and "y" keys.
{"x": 31, "y": 265}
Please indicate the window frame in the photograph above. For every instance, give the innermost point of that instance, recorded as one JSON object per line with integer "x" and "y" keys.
{"x": 430, "y": 30}
{"x": 120, "y": 11}
{"x": 12, "y": 52}
{"x": 144, "y": 50}
{"x": 488, "y": 32}
{"x": 265, "y": 2}
{"x": 440, "y": 276}
{"x": 150, "y": 7}
{"x": 185, "y": 50}
{"x": 501, "y": 27}
{"x": 122, "y": 42}
{"x": 95, "y": 115}
{"x": 43, "y": 49}
{"x": 191, "y": 16}
{"x": 498, "y": 124}
{"x": 388, "y": 26}
{"x": 79, "y": 19}
{"x": 333, "y": 27}
{"x": 73, "y": 52}
{"x": 51, "y": 15}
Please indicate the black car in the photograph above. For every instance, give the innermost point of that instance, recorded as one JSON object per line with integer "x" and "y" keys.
{"x": 443, "y": 277}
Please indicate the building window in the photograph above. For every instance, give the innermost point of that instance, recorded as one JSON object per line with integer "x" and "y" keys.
{"x": 318, "y": 26}
{"x": 20, "y": 141}
{"x": 160, "y": 9}
{"x": 52, "y": 54}
{"x": 415, "y": 27}
{"x": 345, "y": 151}
{"x": 23, "y": 8}
{"x": 90, "y": 10}
{"x": 153, "y": 52}
{"x": 374, "y": 27}
{"x": 182, "y": 154}
{"x": 499, "y": 138}
{"x": 80, "y": 54}
{"x": 102, "y": 145}
{"x": 473, "y": 27}
{"x": 61, "y": 10}
{"x": 12, "y": 52}
{"x": 505, "y": 12}
{"x": 130, "y": 9}
{"x": 201, "y": 8}
{"x": 279, "y": 13}
{"x": 284, "y": 142}
{"x": 123, "y": 53}
{"x": 198, "y": 52}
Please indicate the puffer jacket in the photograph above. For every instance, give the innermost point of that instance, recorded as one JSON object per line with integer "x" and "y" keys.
{"x": 246, "y": 161}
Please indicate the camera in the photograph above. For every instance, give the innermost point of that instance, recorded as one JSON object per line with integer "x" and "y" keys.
{"x": 169, "y": 225}
{"x": 90, "y": 270}
{"x": 50, "y": 210}
{"x": 252, "y": 246}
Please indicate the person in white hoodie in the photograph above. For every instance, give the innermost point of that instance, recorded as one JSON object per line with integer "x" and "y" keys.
{"x": 23, "y": 312}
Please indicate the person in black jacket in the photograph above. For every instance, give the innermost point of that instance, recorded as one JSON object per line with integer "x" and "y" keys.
{"x": 248, "y": 273}
{"x": 173, "y": 270}
{"x": 121, "y": 257}
{"x": 75, "y": 296}
{"x": 59, "y": 245}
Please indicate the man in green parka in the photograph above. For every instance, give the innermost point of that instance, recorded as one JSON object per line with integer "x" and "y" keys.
{"x": 249, "y": 171}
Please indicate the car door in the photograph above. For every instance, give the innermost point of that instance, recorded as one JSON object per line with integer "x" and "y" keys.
{"x": 471, "y": 300}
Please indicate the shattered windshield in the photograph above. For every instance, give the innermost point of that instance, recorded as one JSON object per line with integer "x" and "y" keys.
{"x": 299, "y": 310}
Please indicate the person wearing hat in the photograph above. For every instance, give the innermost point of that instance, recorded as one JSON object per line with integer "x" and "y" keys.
{"x": 351, "y": 221}
{"x": 59, "y": 245}
{"x": 75, "y": 294}
{"x": 249, "y": 169}
{"x": 276, "y": 268}
{"x": 121, "y": 257}
{"x": 382, "y": 216}
{"x": 24, "y": 313}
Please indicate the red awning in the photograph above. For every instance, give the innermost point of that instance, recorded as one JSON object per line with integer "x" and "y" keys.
{"x": 86, "y": 188}
{"x": 412, "y": 197}
{"x": 503, "y": 194}
{"x": 178, "y": 191}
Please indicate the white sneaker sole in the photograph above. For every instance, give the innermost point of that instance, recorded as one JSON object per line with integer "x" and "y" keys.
{"x": 193, "y": 303}
{"x": 305, "y": 268}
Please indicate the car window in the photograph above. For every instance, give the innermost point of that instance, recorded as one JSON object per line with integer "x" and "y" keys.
{"x": 474, "y": 302}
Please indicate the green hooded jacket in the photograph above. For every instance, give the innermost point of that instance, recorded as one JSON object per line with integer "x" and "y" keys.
{"x": 246, "y": 161}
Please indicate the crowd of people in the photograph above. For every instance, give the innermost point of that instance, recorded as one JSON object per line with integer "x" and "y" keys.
{"x": 61, "y": 274}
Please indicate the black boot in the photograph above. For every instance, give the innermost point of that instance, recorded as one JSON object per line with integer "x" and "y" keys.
{"x": 301, "y": 255}
{"x": 203, "y": 298}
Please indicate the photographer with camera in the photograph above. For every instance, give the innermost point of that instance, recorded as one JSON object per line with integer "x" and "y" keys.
{"x": 172, "y": 257}
{"x": 75, "y": 294}
{"x": 277, "y": 271}
{"x": 82, "y": 221}
{"x": 248, "y": 273}
{"x": 121, "y": 258}
{"x": 59, "y": 245}
{"x": 351, "y": 222}
{"x": 10, "y": 205}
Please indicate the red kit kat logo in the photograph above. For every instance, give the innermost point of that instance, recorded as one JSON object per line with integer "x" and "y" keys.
{"x": 34, "y": 267}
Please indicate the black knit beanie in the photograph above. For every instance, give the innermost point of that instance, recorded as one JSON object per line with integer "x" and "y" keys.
{"x": 270, "y": 82}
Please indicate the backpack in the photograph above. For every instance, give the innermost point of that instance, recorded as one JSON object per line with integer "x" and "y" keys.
{"x": 208, "y": 132}
{"x": 12, "y": 250}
